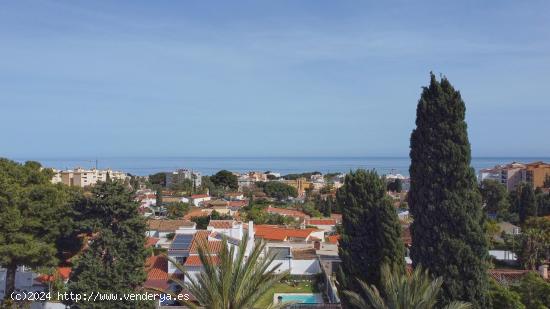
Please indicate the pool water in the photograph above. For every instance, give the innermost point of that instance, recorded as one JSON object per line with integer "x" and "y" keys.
{"x": 300, "y": 298}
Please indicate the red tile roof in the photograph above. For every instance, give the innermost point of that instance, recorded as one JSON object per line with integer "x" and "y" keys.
{"x": 151, "y": 242}
{"x": 166, "y": 225}
{"x": 157, "y": 268}
{"x": 201, "y": 237}
{"x": 507, "y": 275}
{"x": 237, "y": 203}
{"x": 333, "y": 239}
{"x": 221, "y": 224}
{"x": 194, "y": 260}
{"x": 62, "y": 273}
{"x": 321, "y": 222}
{"x": 272, "y": 232}
{"x": 196, "y": 213}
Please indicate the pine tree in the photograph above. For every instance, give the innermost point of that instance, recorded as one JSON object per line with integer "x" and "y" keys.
{"x": 371, "y": 234}
{"x": 444, "y": 200}
{"x": 114, "y": 262}
{"x": 32, "y": 212}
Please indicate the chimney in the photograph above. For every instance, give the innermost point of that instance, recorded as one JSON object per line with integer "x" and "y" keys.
{"x": 251, "y": 230}
{"x": 543, "y": 271}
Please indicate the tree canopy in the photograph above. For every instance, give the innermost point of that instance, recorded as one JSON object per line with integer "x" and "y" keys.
{"x": 32, "y": 217}
{"x": 371, "y": 233}
{"x": 447, "y": 231}
{"x": 225, "y": 179}
{"x": 114, "y": 261}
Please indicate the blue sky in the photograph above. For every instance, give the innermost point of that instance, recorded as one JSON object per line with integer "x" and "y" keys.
{"x": 266, "y": 78}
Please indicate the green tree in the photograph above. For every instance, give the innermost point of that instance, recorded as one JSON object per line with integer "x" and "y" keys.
{"x": 278, "y": 190}
{"x": 309, "y": 209}
{"x": 495, "y": 198}
{"x": 177, "y": 210}
{"x": 534, "y": 291}
{"x": 238, "y": 280}
{"x": 395, "y": 185}
{"x": 31, "y": 212}
{"x": 527, "y": 206}
{"x": 402, "y": 291}
{"x": 444, "y": 199}
{"x": 371, "y": 234}
{"x": 534, "y": 243}
{"x": 158, "y": 196}
{"x": 503, "y": 298}
{"x": 114, "y": 261}
{"x": 158, "y": 179}
{"x": 225, "y": 179}
{"x": 203, "y": 221}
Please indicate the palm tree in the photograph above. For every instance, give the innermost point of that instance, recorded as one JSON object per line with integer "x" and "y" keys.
{"x": 235, "y": 281}
{"x": 401, "y": 290}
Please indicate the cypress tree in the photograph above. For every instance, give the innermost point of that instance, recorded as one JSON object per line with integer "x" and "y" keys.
{"x": 447, "y": 232}
{"x": 114, "y": 262}
{"x": 527, "y": 202}
{"x": 371, "y": 233}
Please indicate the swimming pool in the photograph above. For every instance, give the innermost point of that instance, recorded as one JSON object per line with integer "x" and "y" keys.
{"x": 300, "y": 298}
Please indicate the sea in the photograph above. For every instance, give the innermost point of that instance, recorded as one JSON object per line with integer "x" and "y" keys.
{"x": 143, "y": 166}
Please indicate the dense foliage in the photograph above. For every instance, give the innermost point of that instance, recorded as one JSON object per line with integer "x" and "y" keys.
{"x": 533, "y": 244}
{"x": 495, "y": 198}
{"x": 225, "y": 179}
{"x": 32, "y": 217}
{"x": 371, "y": 234}
{"x": 114, "y": 261}
{"x": 444, "y": 200}
{"x": 534, "y": 291}
{"x": 502, "y": 297}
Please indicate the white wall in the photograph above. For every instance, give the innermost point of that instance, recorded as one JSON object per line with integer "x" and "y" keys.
{"x": 298, "y": 267}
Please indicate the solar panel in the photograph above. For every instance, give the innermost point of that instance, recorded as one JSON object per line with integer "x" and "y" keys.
{"x": 181, "y": 242}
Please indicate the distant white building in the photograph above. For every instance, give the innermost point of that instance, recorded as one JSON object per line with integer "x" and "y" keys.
{"x": 80, "y": 177}
{"x": 180, "y": 175}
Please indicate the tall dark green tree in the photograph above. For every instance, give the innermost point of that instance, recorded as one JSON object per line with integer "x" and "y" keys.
{"x": 32, "y": 213}
{"x": 527, "y": 203}
{"x": 114, "y": 262}
{"x": 495, "y": 198}
{"x": 225, "y": 179}
{"x": 447, "y": 232}
{"x": 371, "y": 234}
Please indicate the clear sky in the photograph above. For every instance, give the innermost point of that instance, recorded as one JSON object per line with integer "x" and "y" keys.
{"x": 266, "y": 78}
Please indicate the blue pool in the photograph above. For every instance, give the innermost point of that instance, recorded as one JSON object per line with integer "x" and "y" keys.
{"x": 300, "y": 298}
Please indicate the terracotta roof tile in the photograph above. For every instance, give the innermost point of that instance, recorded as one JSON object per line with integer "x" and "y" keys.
{"x": 221, "y": 224}
{"x": 168, "y": 225}
{"x": 333, "y": 239}
{"x": 157, "y": 268}
{"x": 194, "y": 260}
{"x": 321, "y": 222}
{"x": 151, "y": 242}
{"x": 271, "y": 232}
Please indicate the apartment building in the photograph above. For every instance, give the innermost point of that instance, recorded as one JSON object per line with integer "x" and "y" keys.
{"x": 178, "y": 176}
{"x": 80, "y": 177}
{"x": 511, "y": 175}
{"x": 535, "y": 173}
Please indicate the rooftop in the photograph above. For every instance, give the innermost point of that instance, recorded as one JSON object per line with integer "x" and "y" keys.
{"x": 165, "y": 225}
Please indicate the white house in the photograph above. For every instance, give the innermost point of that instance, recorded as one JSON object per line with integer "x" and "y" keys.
{"x": 161, "y": 229}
